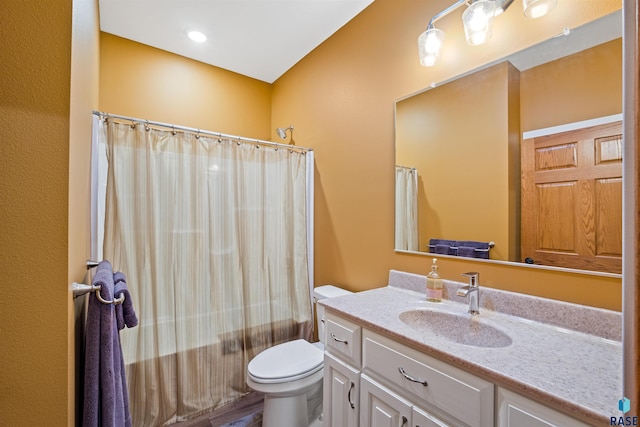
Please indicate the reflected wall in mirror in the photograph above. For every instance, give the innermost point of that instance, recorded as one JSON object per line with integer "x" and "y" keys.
{"x": 463, "y": 138}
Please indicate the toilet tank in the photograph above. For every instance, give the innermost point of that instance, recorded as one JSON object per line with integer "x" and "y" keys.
{"x": 322, "y": 292}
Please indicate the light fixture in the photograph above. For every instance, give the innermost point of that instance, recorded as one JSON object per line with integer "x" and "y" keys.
{"x": 477, "y": 20}
{"x": 537, "y": 8}
{"x": 282, "y": 132}
{"x": 429, "y": 44}
{"x": 197, "y": 36}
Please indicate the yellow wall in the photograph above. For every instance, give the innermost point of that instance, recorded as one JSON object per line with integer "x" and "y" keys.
{"x": 34, "y": 172}
{"x": 340, "y": 97}
{"x": 148, "y": 83}
{"x": 457, "y": 136}
{"x": 582, "y": 86}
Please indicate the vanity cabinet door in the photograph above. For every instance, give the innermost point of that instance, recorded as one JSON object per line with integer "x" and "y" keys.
{"x": 341, "y": 393}
{"x": 518, "y": 411}
{"x": 380, "y": 407}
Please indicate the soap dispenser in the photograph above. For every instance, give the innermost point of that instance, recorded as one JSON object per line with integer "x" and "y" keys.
{"x": 434, "y": 283}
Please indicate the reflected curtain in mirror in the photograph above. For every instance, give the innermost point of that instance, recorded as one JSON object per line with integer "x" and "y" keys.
{"x": 406, "y": 208}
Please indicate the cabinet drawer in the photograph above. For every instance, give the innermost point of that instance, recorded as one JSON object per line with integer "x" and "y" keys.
{"x": 441, "y": 386}
{"x": 343, "y": 339}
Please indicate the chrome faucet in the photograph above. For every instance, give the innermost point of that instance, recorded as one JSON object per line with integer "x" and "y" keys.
{"x": 472, "y": 291}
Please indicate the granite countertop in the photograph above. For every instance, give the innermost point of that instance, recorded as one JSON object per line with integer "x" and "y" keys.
{"x": 574, "y": 372}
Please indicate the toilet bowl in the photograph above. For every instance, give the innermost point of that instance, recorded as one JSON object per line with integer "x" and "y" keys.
{"x": 290, "y": 375}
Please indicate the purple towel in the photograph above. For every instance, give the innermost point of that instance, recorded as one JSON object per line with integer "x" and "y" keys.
{"x": 105, "y": 382}
{"x": 442, "y": 249}
{"x": 125, "y": 313}
{"x": 466, "y": 251}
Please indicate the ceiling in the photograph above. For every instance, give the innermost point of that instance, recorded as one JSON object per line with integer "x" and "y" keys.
{"x": 261, "y": 39}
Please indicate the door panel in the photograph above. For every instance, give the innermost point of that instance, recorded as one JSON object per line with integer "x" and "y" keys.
{"x": 572, "y": 199}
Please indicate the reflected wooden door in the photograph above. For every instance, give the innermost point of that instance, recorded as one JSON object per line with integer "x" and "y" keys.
{"x": 572, "y": 199}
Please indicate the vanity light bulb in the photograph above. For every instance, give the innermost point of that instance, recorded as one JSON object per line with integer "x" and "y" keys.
{"x": 477, "y": 20}
{"x": 538, "y": 8}
{"x": 429, "y": 44}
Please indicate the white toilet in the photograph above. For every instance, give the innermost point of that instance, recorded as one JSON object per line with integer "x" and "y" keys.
{"x": 290, "y": 375}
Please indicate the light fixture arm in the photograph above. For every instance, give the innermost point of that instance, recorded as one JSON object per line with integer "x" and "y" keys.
{"x": 445, "y": 12}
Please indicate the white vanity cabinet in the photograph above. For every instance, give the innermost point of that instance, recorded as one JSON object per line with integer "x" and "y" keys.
{"x": 515, "y": 410}
{"x": 341, "y": 382}
{"x": 371, "y": 380}
{"x": 437, "y": 394}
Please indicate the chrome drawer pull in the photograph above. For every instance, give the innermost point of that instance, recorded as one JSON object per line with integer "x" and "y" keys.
{"x": 349, "y": 395}
{"x": 338, "y": 339}
{"x": 410, "y": 378}
{"x": 404, "y": 421}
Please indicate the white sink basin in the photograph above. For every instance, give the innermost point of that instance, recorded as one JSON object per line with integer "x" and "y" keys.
{"x": 461, "y": 328}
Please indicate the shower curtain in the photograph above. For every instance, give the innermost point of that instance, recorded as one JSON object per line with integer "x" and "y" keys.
{"x": 406, "y": 208}
{"x": 212, "y": 234}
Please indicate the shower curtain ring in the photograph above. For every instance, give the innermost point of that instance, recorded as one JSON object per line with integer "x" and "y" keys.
{"x": 173, "y": 130}
{"x": 146, "y": 126}
{"x": 198, "y": 134}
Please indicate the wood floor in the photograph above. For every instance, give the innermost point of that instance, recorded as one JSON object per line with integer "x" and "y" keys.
{"x": 250, "y": 404}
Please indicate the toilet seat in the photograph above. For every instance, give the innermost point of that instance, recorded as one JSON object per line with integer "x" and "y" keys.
{"x": 286, "y": 362}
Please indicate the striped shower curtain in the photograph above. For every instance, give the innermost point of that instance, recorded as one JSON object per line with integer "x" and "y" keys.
{"x": 212, "y": 234}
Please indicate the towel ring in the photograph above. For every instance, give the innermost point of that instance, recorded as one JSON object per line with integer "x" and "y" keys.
{"x": 115, "y": 301}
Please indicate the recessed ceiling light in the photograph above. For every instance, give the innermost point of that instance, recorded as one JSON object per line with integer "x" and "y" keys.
{"x": 197, "y": 36}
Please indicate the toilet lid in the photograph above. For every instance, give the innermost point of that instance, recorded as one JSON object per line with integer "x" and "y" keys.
{"x": 285, "y": 362}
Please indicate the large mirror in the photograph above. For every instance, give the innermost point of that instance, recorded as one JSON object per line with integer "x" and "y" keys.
{"x": 459, "y": 152}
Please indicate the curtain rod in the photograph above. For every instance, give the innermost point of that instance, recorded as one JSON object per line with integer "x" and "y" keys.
{"x": 406, "y": 167}
{"x": 201, "y": 132}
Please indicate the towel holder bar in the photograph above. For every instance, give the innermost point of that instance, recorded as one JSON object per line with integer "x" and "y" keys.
{"x": 80, "y": 289}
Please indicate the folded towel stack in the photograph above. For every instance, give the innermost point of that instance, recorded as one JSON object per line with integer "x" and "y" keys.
{"x": 471, "y": 249}
{"x": 441, "y": 246}
{"x": 463, "y": 248}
